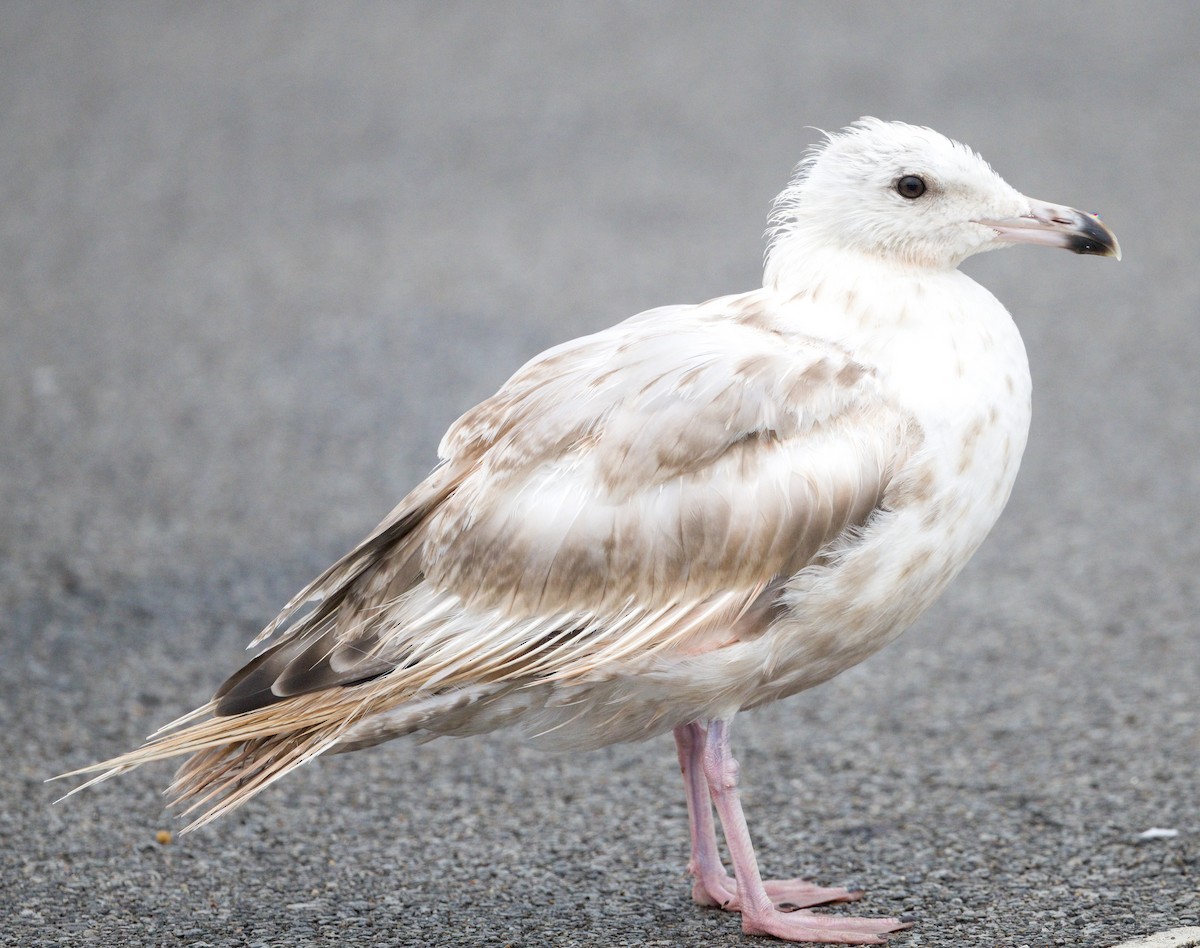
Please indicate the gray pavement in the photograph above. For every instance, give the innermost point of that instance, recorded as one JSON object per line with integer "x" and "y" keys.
{"x": 256, "y": 257}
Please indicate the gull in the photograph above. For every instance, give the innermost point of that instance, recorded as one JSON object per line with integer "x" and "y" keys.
{"x": 700, "y": 510}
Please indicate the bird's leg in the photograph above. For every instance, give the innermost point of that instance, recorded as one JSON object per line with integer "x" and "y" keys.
{"x": 760, "y": 916}
{"x": 713, "y": 885}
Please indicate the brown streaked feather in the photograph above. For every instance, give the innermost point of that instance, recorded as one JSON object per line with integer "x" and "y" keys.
{"x": 568, "y": 537}
{"x": 330, "y": 589}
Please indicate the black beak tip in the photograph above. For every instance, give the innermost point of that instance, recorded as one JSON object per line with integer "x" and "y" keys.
{"x": 1092, "y": 237}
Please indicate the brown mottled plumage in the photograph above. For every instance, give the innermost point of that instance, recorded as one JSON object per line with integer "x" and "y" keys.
{"x": 694, "y": 512}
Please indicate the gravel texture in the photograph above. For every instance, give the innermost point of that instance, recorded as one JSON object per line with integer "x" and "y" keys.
{"x": 257, "y": 256}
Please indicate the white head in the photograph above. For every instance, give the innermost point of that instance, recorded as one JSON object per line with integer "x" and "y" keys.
{"x": 910, "y": 195}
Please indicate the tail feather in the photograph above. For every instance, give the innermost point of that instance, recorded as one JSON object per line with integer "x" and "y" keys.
{"x": 246, "y": 745}
{"x": 225, "y": 778}
{"x": 235, "y": 758}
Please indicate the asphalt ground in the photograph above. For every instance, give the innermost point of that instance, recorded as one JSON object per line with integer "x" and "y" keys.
{"x": 256, "y": 257}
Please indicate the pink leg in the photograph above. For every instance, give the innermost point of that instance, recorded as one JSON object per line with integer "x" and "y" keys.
{"x": 713, "y": 885}
{"x": 759, "y": 915}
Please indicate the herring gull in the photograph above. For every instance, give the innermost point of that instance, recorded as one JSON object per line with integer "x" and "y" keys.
{"x": 697, "y": 511}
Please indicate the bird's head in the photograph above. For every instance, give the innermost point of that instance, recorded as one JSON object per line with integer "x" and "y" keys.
{"x": 910, "y": 195}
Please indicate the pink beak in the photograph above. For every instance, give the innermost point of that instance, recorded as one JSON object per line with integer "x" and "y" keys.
{"x": 1053, "y": 225}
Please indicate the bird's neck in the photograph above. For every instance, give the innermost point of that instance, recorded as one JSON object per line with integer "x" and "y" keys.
{"x": 878, "y": 306}
{"x": 798, "y": 260}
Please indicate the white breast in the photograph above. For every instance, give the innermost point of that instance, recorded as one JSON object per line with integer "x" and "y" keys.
{"x": 949, "y": 353}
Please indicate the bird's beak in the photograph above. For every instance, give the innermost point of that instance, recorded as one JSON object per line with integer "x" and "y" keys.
{"x": 1053, "y": 225}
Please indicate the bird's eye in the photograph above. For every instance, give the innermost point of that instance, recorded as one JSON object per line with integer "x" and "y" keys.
{"x": 910, "y": 186}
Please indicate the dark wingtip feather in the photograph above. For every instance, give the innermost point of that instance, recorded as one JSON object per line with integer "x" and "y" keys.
{"x": 297, "y": 668}
{"x": 249, "y": 688}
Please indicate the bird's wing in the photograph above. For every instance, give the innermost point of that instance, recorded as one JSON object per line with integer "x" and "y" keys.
{"x": 669, "y": 458}
{"x": 634, "y": 495}
{"x": 618, "y": 496}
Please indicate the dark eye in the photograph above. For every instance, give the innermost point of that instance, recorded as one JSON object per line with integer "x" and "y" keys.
{"x": 910, "y": 186}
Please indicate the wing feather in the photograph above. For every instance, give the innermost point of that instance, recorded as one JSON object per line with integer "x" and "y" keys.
{"x": 706, "y": 456}
{"x": 640, "y": 492}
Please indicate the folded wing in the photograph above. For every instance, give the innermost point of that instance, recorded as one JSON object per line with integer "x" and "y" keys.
{"x": 617, "y": 497}
{"x": 633, "y": 495}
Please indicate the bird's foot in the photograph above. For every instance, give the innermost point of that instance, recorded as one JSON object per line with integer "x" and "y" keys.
{"x": 719, "y": 890}
{"x": 806, "y": 926}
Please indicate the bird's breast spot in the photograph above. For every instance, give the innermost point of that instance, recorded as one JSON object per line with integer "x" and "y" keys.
{"x": 933, "y": 516}
{"x": 916, "y": 564}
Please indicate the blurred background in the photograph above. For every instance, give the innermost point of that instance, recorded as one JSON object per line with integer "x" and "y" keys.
{"x": 256, "y": 257}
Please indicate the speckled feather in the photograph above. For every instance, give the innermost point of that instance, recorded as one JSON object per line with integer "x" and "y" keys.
{"x": 696, "y": 511}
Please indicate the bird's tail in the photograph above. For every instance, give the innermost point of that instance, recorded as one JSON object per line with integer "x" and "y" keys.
{"x": 237, "y": 756}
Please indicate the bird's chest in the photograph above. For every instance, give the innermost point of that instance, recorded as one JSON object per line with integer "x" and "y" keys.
{"x": 963, "y": 376}
{"x": 948, "y": 355}
{"x": 966, "y": 384}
